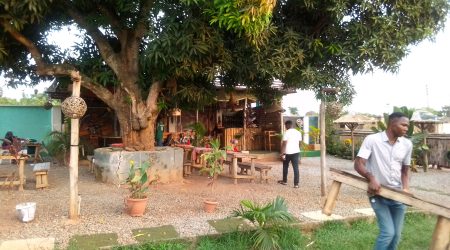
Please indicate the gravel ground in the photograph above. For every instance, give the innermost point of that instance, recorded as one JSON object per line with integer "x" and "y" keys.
{"x": 180, "y": 204}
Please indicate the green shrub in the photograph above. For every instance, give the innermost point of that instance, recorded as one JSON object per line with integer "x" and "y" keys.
{"x": 270, "y": 221}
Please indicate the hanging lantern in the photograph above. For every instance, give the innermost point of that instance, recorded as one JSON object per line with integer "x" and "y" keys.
{"x": 74, "y": 107}
{"x": 176, "y": 112}
{"x": 48, "y": 105}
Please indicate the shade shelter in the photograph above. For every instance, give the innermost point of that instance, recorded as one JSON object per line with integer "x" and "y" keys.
{"x": 426, "y": 122}
{"x": 352, "y": 122}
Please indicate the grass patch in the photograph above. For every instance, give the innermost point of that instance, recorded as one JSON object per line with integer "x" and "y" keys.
{"x": 229, "y": 225}
{"x": 176, "y": 245}
{"x": 155, "y": 233}
{"x": 417, "y": 231}
{"x": 290, "y": 239}
{"x": 92, "y": 241}
{"x": 362, "y": 234}
{"x": 334, "y": 235}
{"x": 234, "y": 240}
{"x": 340, "y": 235}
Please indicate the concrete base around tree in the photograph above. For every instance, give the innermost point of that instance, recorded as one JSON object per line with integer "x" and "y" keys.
{"x": 111, "y": 165}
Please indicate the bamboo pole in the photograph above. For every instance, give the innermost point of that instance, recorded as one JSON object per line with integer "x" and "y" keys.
{"x": 73, "y": 164}
{"x": 244, "y": 133}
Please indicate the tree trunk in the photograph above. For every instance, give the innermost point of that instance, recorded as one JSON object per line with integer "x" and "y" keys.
{"x": 137, "y": 118}
{"x": 140, "y": 139}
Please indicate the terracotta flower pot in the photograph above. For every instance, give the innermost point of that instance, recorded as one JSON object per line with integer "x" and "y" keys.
{"x": 136, "y": 207}
{"x": 209, "y": 206}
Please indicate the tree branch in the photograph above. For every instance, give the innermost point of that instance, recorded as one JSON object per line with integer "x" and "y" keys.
{"x": 103, "y": 45}
{"x": 320, "y": 25}
{"x": 152, "y": 98}
{"x": 31, "y": 47}
{"x": 113, "y": 19}
{"x": 65, "y": 70}
{"x": 142, "y": 19}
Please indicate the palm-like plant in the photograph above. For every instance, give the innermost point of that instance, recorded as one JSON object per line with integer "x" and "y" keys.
{"x": 269, "y": 220}
{"x": 58, "y": 145}
{"x": 200, "y": 132}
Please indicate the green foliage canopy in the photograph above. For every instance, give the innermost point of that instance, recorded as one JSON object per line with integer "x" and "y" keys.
{"x": 136, "y": 45}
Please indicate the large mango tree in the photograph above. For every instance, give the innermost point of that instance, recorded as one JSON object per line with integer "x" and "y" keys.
{"x": 136, "y": 54}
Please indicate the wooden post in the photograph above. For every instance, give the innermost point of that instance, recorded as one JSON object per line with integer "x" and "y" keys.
{"x": 73, "y": 164}
{"x": 441, "y": 234}
{"x": 244, "y": 133}
{"x": 331, "y": 198}
{"x": 21, "y": 172}
{"x": 353, "y": 143}
{"x": 425, "y": 155}
{"x": 323, "y": 151}
{"x": 235, "y": 166}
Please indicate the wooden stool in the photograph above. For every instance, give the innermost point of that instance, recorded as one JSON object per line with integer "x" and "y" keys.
{"x": 41, "y": 179}
{"x": 263, "y": 173}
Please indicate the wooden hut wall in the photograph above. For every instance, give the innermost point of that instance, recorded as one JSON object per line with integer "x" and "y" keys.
{"x": 253, "y": 138}
{"x": 268, "y": 121}
{"x": 98, "y": 123}
{"x": 206, "y": 117}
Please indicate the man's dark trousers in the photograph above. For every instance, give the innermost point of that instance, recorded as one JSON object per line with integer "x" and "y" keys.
{"x": 294, "y": 159}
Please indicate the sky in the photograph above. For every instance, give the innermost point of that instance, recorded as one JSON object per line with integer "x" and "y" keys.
{"x": 422, "y": 81}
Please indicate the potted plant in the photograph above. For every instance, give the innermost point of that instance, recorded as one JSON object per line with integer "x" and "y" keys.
{"x": 138, "y": 184}
{"x": 213, "y": 167}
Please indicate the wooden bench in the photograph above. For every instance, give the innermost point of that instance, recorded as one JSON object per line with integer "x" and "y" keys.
{"x": 261, "y": 168}
{"x": 441, "y": 235}
{"x": 22, "y": 179}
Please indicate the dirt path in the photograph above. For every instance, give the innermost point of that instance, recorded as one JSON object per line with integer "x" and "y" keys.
{"x": 179, "y": 204}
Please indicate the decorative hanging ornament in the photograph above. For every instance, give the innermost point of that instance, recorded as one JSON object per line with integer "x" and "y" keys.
{"x": 74, "y": 107}
{"x": 48, "y": 105}
{"x": 176, "y": 112}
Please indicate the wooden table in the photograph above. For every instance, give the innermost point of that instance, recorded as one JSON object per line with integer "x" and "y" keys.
{"x": 37, "y": 150}
{"x": 22, "y": 177}
{"x": 234, "y": 166}
{"x": 197, "y": 151}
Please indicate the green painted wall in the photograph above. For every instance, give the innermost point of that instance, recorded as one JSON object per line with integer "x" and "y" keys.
{"x": 30, "y": 122}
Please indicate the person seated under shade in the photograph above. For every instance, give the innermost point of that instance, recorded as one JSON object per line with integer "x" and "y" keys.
{"x": 8, "y": 140}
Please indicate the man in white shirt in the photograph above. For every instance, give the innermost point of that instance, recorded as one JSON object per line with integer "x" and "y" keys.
{"x": 384, "y": 159}
{"x": 290, "y": 152}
